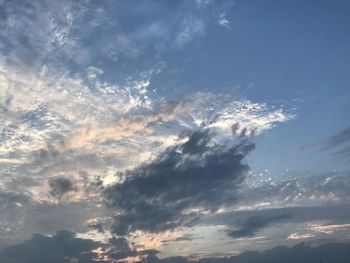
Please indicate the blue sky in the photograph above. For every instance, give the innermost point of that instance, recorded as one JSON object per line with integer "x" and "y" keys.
{"x": 173, "y": 130}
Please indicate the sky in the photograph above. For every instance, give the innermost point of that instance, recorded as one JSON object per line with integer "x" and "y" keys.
{"x": 174, "y": 131}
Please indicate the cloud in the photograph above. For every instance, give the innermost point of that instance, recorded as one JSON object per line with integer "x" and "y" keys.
{"x": 260, "y": 190}
{"x": 303, "y": 253}
{"x": 64, "y": 36}
{"x": 60, "y": 186}
{"x": 190, "y": 28}
{"x": 315, "y": 230}
{"x": 63, "y": 247}
{"x": 339, "y": 138}
{"x": 344, "y": 153}
{"x": 173, "y": 189}
{"x": 126, "y": 127}
{"x": 120, "y": 249}
{"x": 91, "y": 132}
{"x": 223, "y": 21}
{"x": 251, "y": 225}
{"x": 336, "y": 141}
{"x": 337, "y": 214}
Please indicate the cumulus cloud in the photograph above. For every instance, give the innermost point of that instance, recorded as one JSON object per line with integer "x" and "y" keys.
{"x": 70, "y": 127}
{"x": 193, "y": 176}
{"x": 60, "y": 126}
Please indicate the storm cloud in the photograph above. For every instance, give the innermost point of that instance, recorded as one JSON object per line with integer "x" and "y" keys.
{"x": 194, "y": 176}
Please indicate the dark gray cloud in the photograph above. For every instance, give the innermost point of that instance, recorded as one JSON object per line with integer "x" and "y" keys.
{"x": 21, "y": 216}
{"x": 59, "y": 186}
{"x": 301, "y": 253}
{"x": 63, "y": 247}
{"x": 197, "y": 174}
{"x": 251, "y": 225}
{"x": 120, "y": 248}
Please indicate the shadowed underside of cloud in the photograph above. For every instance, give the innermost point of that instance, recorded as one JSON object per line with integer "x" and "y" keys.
{"x": 60, "y": 186}
{"x": 251, "y": 225}
{"x": 171, "y": 191}
{"x": 301, "y": 253}
{"x": 63, "y": 247}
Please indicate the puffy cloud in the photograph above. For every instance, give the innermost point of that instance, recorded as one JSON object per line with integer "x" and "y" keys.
{"x": 223, "y": 21}
{"x": 61, "y": 126}
{"x": 173, "y": 189}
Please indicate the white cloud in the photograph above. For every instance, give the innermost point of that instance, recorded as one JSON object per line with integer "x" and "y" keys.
{"x": 190, "y": 28}
{"x": 223, "y": 21}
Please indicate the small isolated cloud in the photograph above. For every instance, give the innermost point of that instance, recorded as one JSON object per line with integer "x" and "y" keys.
{"x": 223, "y": 21}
